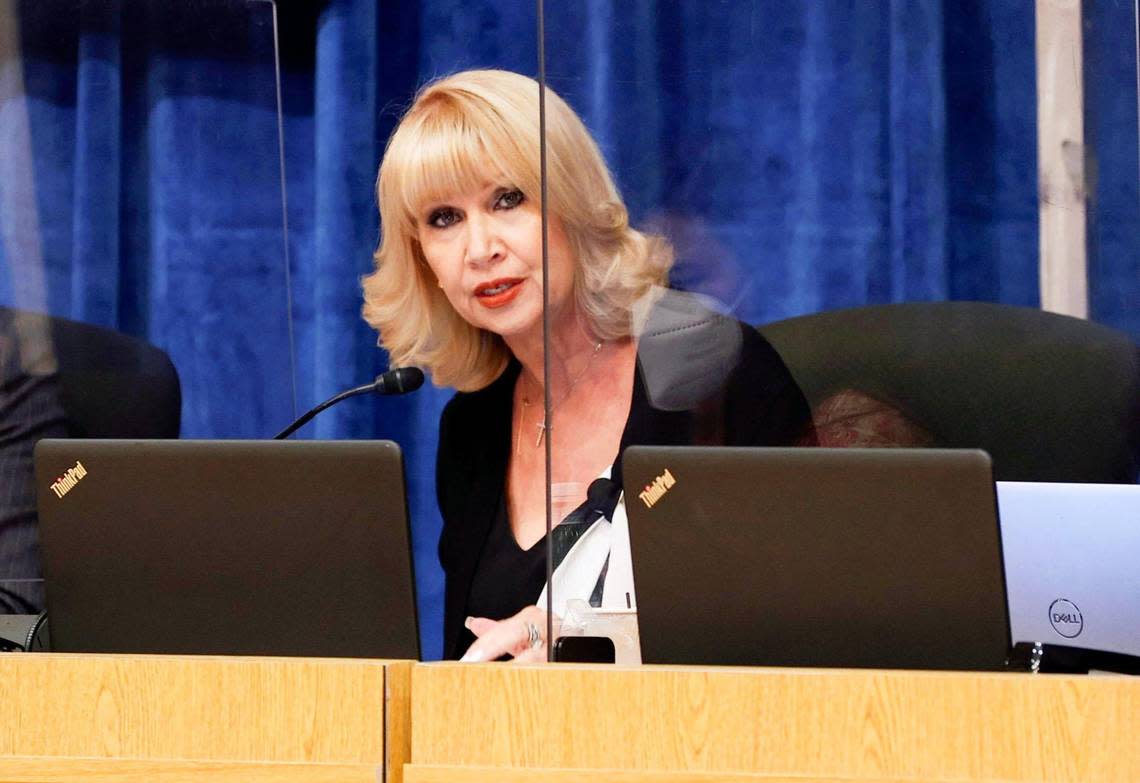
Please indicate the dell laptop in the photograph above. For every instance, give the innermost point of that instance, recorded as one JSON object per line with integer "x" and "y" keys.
{"x": 1072, "y": 559}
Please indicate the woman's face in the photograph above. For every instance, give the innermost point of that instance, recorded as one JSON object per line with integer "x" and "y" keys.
{"x": 485, "y": 248}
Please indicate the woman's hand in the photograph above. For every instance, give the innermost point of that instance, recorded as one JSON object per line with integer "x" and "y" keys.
{"x": 523, "y": 637}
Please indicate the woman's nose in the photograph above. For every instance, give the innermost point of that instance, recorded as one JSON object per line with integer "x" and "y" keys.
{"x": 484, "y": 245}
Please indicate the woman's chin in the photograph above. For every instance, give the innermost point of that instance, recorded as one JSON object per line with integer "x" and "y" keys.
{"x": 520, "y": 319}
{"x": 512, "y": 325}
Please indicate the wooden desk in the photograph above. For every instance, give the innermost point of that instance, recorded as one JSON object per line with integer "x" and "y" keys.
{"x": 505, "y": 723}
{"x": 156, "y": 718}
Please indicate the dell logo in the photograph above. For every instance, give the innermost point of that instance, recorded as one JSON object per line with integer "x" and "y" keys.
{"x": 1066, "y": 618}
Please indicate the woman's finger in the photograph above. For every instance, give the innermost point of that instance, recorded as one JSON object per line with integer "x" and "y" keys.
{"x": 514, "y": 636}
{"x": 506, "y": 637}
{"x": 479, "y": 625}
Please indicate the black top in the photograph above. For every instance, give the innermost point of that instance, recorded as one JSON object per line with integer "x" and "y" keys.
{"x": 744, "y": 397}
{"x": 507, "y": 577}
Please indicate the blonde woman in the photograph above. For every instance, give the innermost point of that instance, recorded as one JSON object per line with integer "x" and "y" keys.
{"x": 458, "y": 290}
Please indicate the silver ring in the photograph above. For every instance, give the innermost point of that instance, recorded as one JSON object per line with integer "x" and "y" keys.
{"x": 533, "y": 636}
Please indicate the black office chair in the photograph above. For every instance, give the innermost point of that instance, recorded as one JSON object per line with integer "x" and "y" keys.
{"x": 1051, "y": 398}
{"x": 113, "y": 385}
{"x": 62, "y": 378}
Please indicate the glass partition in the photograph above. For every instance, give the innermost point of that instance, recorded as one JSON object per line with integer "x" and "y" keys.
{"x": 778, "y": 165}
{"x": 859, "y": 183}
{"x": 141, "y": 193}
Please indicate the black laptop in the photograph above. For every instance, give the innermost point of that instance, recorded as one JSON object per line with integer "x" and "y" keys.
{"x": 227, "y": 547}
{"x": 887, "y": 558}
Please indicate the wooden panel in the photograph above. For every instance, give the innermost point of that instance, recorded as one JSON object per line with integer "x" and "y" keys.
{"x": 823, "y": 723}
{"x": 437, "y": 774}
{"x": 397, "y": 720}
{"x": 56, "y": 770}
{"x": 193, "y": 708}
{"x": 1062, "y": 182}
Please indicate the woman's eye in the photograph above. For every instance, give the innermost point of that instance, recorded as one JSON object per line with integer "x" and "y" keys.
{"x": 442, "y": 218}
{"x": 509, "y": 199}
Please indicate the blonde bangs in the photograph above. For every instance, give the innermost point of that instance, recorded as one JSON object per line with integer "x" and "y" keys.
{"x": 452, "y": 146}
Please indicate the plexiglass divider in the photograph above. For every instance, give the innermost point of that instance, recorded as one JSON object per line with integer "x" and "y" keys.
{"x": 141, "y": 191}
{"x": 709, "y": 169}
{"x": 787, "y": 161}
{"x": 651, "y": 349}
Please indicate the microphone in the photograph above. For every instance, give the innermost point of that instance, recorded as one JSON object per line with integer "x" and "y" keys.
{"x": 398, "y": 381}
{"x": 602, "y": 496}
{"x": 401, "y": 380}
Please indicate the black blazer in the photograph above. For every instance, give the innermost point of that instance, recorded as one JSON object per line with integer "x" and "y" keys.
{"x": 755, "y": 403}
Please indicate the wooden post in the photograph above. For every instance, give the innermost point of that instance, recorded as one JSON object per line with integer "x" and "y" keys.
{"x": 1062, "y": 184}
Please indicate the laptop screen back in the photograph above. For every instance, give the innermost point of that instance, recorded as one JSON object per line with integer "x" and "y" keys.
{"x": 235, "y": 547}
{"x": 1072, "y": 555}
{"x": 816, "y": 557}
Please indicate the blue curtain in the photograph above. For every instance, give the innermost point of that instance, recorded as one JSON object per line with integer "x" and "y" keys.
{"x": 802, "y": 156}
{"x": 1111, "y": 92}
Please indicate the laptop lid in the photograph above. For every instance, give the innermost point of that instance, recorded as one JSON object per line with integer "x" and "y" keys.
{"x": 1072, "y": 558}
{"x": 231, "y": 547}
{"x": 816, "y": 557}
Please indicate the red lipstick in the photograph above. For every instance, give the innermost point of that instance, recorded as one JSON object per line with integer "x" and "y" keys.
{"x": 500, "y": 292}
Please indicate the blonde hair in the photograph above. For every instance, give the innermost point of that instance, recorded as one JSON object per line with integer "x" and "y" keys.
{"x": 460, "y": 132}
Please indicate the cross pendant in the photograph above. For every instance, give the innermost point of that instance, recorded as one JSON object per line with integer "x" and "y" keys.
{"x": 541, "y": 431}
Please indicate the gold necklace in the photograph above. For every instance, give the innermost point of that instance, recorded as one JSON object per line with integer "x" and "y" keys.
{"x": 542, "y": 425}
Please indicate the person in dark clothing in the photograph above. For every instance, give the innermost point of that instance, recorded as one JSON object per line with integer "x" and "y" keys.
{"x": 30, "y": 409}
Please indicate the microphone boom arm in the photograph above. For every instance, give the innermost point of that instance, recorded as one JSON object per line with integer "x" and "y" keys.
{"x": 398, "y": 381}
{"x": 301, "y": 422}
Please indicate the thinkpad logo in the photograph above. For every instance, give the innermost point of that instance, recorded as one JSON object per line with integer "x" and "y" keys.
{"x": 65, "y": 483}
{"x": 655, "y": 491}
{"x": 1066, "y": 618}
